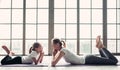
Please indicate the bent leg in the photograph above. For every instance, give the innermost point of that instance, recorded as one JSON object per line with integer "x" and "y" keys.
{"x": 94, "y": 60}
{"x": 16, "y": 60}
{"x": 5, "y": 59}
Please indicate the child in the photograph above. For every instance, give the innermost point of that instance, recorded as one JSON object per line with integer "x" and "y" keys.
{"x": 36, "y": 50}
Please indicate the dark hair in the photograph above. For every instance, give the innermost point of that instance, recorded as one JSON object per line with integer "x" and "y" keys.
{"x": 56, "y": 40}
{"x": 35, "y": 45}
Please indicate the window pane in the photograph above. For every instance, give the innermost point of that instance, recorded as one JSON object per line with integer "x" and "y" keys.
{"x": 4, "y": 16}
{"x": 118, "y": 15}
{"x": 85, "y": 47}
{"x": 29, "y": 44}
{"x": 97, "y": 16}
{"x": 97, "y": 30}
{"x": 111, "y": 16}
{"x": 84, "y": 3}
{"x": 111, "y": 31}
{"x": 17, "y": 46}
{"x": 85, "y": 31}
{"x": 43, "y": 3}
{"x": 42, "y": 31}
{"x": 6, "y": 43}
{"x": 118, "y": 46}
{"x": 84, "y": 16}
{"x": 17, "y": 16}
{"x": 59, "y": 3}
{"x": 31, "y": 3}
{"x": 44, "y": 43}
{"x": 17, "y": 3}
{"x": 5, "y": 3}
{"x": 17, "y": 31}
{"x": 97, "y": 3}
{"x": 112, "y": 46}
{"x": 118, "y": 31}
{"x": 71, "y": 31}
{"x": 71, "y": 3}
{"x": 59, "y": 31}
{"x": 59, "y": 16}
{"x": 71, "y": 16}
{"x": 31, "y": 31}
{"x": 94, "y": 49}
{"x": 118, "y": 3}
{"x": 31, "y": 16}
{"x": 71, "y": 45}
{"x": 43, "y": 15}
{"x": 5, "y": 31}
{"x": 111, "y": 3}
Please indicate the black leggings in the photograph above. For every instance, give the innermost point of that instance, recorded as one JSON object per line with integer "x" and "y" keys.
{"x": 9, "y": 60}
{"x": 106, "y": 58}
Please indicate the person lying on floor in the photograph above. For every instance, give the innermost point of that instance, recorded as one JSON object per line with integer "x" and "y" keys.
{"x": 35, "y": 50}
{"x": 58, "y": 52}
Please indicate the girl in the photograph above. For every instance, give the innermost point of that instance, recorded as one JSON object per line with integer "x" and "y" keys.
{"x": 106, "y": 57}
{"x": 35, "y": 51}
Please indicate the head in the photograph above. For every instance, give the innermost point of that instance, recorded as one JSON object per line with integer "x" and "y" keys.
{"x": 57, "y": 44}
{"x": 37, "y": 47}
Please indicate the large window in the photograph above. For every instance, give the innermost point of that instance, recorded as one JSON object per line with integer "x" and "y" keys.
{"x": 90, "y": 24}
{"x": 11, "y": 25}
{"x": 113, "y": 26}
{"x": 78, "y": 22}
{"x": 37, "y": 23}
{"x": 65, "y": 24}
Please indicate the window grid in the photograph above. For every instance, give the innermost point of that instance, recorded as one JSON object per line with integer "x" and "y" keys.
{"x": 91, "y": 24}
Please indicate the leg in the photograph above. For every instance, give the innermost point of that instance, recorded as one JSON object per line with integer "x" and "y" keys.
{"x": 5, "y": 59}
{"x": 109, "y": 55}
{"x": 16, "y": 60}
{"x": 103, "y": 51}
{"x": 94, "y": 60}
{"x": 98, "y": 45}
{"x": 7, "y": 50}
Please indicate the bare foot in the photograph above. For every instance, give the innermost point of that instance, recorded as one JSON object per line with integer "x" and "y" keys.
{"x": 11, "y": 53}
{"x": 97, "y": 40}
{"x": 99, "y": 43}
{"x": 6, "y": 49}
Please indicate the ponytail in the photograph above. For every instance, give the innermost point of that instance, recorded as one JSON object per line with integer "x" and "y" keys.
{"x": 30, "y": 50}
{"x": 63, "y": 43}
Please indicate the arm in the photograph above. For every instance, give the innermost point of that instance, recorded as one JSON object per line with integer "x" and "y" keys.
{"x": 41, "y": 57}
{"x": 54, "y": 53}
{"x": 36, "y": 60}
{"x": 58, "y": 56}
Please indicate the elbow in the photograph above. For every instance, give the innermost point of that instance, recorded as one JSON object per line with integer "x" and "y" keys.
{"x": 53, "y": 63}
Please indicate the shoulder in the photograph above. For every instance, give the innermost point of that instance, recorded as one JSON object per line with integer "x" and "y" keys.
{"x": 33, "y": 52}
{"x": 64, "y": 50}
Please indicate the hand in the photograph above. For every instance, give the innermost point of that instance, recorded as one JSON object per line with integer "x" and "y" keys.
{"x": 54, "y": 52}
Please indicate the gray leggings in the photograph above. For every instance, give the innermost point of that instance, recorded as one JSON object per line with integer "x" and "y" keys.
{"x": 106, "y": 58}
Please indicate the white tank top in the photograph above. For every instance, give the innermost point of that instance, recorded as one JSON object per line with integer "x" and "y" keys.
{"x": 73, "y": 58}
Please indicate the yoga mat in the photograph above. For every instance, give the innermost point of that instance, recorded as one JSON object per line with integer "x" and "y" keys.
{"x": 24, "y": 65}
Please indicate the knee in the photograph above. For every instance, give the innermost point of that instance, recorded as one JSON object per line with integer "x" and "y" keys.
{"x": 116, "y": 61}
{"x": 2, "y": 62}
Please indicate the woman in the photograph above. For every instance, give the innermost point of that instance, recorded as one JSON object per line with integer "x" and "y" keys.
{"x": 106, "y": 57}
{"x": 35, "y": 51}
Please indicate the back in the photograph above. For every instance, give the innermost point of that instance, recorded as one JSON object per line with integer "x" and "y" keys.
{"x": 72, "y": 58}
